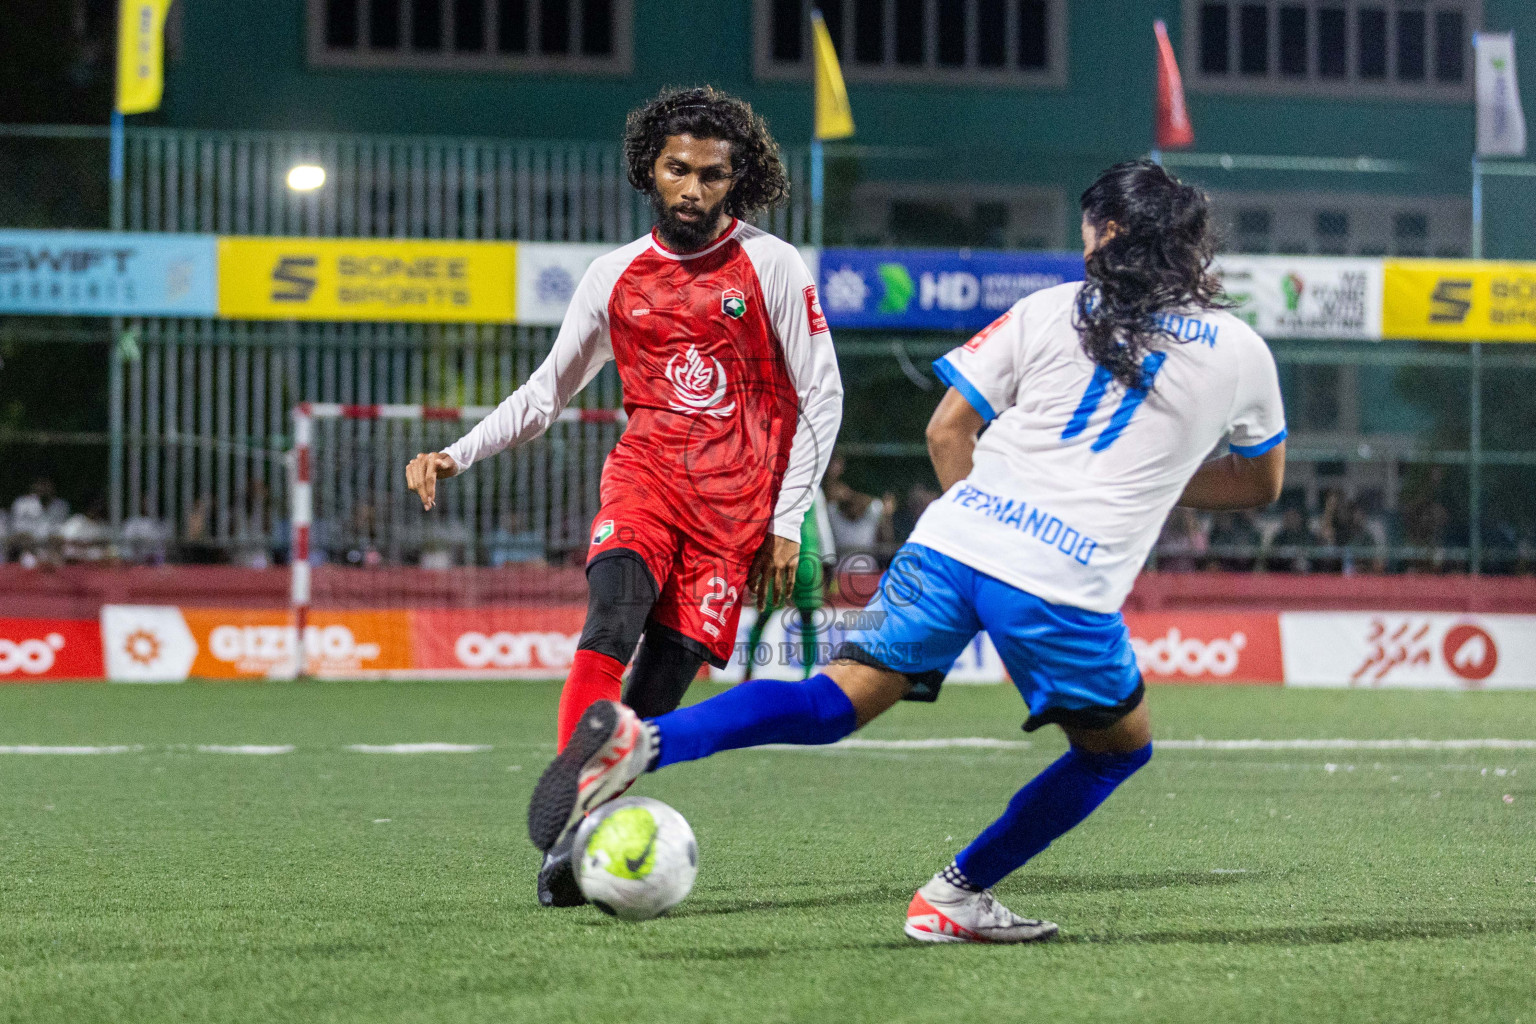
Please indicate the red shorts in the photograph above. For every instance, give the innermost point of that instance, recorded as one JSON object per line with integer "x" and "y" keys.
{"x": 700, "y": 591}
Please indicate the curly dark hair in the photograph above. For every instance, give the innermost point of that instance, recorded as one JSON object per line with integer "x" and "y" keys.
{"x": 705, "y": 113}
{"x": 1159, "y": 259}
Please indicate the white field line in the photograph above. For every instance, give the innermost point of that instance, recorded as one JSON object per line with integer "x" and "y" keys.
{"x": 246, "y": 748}
{"x": 985, "y": 743}
{"x": 419, "y": 748}
{"x": 1342, "y": 744}
{"x": 30, "y": 749}
{"x": 856, "y": 743}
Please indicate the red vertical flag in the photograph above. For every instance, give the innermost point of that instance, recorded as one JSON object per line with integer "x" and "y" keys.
{"x": 1173, "y": 128}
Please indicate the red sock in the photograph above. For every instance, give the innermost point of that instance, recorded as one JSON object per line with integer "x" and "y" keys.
{"x": 593, "y": 677}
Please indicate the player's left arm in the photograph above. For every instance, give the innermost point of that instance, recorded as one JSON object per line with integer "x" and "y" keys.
{"x": 1251, "y": 475}
{"x": 1236, "y": 482}
{"x": 795, "y": 314}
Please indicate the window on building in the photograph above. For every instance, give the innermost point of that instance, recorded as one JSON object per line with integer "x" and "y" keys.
{"x": 957, "y": 215}
{"x": 966, "y": 41}
{"x": 586, "y": 36}
{"x": 1415, "y": 49}
{"x": 1355, "y": 224}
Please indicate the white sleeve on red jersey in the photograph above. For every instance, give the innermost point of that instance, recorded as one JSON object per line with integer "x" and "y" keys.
{"x": 801, "y": 329}
{"x": 579, "y": 352}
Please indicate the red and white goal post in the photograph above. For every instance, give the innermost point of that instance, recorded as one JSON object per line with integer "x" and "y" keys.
{"x": 488, "y": 584}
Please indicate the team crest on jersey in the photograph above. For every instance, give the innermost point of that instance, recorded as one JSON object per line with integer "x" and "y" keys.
{"x": 698, "y": 384}
{"x": 733, "y": 304}
{"x": 603, "y": 531}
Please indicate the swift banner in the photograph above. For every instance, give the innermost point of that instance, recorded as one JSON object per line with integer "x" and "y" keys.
{"x": 934, "y": 289}
{"x": 104, "y": 273}
{"x": 1460, "y": 300}
{"x": 366, "y": 279}
{"x": 1312, "y": 297}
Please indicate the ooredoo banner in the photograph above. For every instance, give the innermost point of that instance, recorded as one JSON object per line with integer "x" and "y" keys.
{"x": 498, "y": 643}
{"x": 33, "y": 649}
{"x": 1409, "y": 649}
{"x": 1207, "y": 647}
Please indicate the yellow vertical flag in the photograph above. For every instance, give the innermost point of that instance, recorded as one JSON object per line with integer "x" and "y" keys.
{"x": 834, "y": 117}
{"x": 140, "y": 54}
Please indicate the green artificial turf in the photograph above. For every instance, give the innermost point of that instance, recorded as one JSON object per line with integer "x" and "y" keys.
{"x": 328, "y": 885}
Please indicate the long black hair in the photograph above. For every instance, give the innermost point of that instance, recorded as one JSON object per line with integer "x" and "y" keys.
{"x": 706, "y": 113}
{"x": 1159, "y": 259}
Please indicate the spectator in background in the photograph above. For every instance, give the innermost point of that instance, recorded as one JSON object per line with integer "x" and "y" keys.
{"x": 1426, "y": 522}
{"x": 1235, "y": 530}
{"x": 198, "y": 544}
{"x": 512, "y": 544}
{"x": 861, "y": 524}
{"x": 36, "y": 518}
{"x": 919, "y": 497}
{"x": 1183, "y": 543}
{"x": 1288, "y": 548}
{"x": 361, "y": 550}
{"x": 144, "y": 540}
{"x": 1364, "y": 537}
{"x": 86, "y": 536}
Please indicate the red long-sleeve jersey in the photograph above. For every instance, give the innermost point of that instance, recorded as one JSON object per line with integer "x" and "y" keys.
{"x": 730, "y": 383}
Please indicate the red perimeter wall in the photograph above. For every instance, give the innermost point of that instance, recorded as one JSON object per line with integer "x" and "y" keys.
{"x": 78, "y": 591}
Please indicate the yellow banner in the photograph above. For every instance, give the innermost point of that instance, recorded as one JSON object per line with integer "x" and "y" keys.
{"x": 1459, "y": 300}
{"x": 140, "y": 54}
{"x": 367, "y": 279}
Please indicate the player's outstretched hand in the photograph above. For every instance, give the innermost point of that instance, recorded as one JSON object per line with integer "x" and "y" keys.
{"x": 424, "y": 471}
{"x": 773, "y": 571}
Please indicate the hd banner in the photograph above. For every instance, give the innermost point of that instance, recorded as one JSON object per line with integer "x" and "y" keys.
{"x": 366, "y": 279}
{"x": 934, "y": 289}
{"x": 1459, "y": 300}
{"x": 105, "y": 273}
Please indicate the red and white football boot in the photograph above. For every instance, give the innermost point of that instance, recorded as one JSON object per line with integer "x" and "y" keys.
{"x": 609, "y": 750}
{"x": 941, "y": 912}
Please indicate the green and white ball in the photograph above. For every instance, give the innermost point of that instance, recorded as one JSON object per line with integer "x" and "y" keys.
{"x": 636, "y": 858}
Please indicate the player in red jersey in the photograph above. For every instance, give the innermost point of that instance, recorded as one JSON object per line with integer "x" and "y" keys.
{"x": 734, "y": 399}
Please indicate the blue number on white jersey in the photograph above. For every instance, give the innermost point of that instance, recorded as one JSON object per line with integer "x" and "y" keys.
{"x": 1123, "y": 412}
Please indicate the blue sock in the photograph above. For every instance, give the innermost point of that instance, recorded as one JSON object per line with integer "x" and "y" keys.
{"x": 1054, "y": 802}
{"x": 749, "y": 714}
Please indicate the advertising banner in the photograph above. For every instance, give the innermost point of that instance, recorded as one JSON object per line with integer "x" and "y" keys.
{"x": 157, "y": 643}
{"x": 1309, "y": 297}
{"x": 242, "y": 643}
{"x": 500, "y": 643}
{"x": 934, "y": 289}
{"x": 1426, "y": 650}
{"x": 103, "y": 273}
{"x": 366, "y": 279}
{"x": 1459, "y": 300}
{"x": 33, "y": 649}
{"x": 1207, "y": 647}
{"x": 779, "y": 651}
{"x": 547, "y": 274}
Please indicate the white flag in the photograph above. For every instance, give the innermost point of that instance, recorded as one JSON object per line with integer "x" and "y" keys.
{"x": 1500, "y": 121}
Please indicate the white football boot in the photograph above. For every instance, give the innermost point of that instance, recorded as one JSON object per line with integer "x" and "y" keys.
{"x": 609, "y": 750}
{"x": 941, "y": 912}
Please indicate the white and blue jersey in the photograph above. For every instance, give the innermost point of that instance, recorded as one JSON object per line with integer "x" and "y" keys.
{"x": 1070, "y": 485}
{"x": 1075, "y": 474}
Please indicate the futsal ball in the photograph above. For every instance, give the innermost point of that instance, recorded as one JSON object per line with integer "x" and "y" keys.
{"x": 636, "y": 858}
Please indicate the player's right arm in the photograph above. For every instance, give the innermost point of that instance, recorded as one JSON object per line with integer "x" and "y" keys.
{"x": 981, "y": 375}
{"x": 579, "y": 352}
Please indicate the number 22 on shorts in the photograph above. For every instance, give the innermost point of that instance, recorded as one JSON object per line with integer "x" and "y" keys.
{"x": 719, "y": 592}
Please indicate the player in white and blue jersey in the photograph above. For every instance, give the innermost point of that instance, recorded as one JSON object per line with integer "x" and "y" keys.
{"x": 1102, "y": 403}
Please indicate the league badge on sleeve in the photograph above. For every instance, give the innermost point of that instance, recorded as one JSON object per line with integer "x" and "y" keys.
{"x": 733, "y": 303}
{"x": 602, "y": 532}
{"x": 813, "y": 311}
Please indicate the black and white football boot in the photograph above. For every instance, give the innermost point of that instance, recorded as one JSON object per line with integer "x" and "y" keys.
{"x": 557, "y": 875}
{"x": 609, "y": 750}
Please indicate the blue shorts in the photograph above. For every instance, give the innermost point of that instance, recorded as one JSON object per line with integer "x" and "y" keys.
{"x": 1070, "y": 665}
